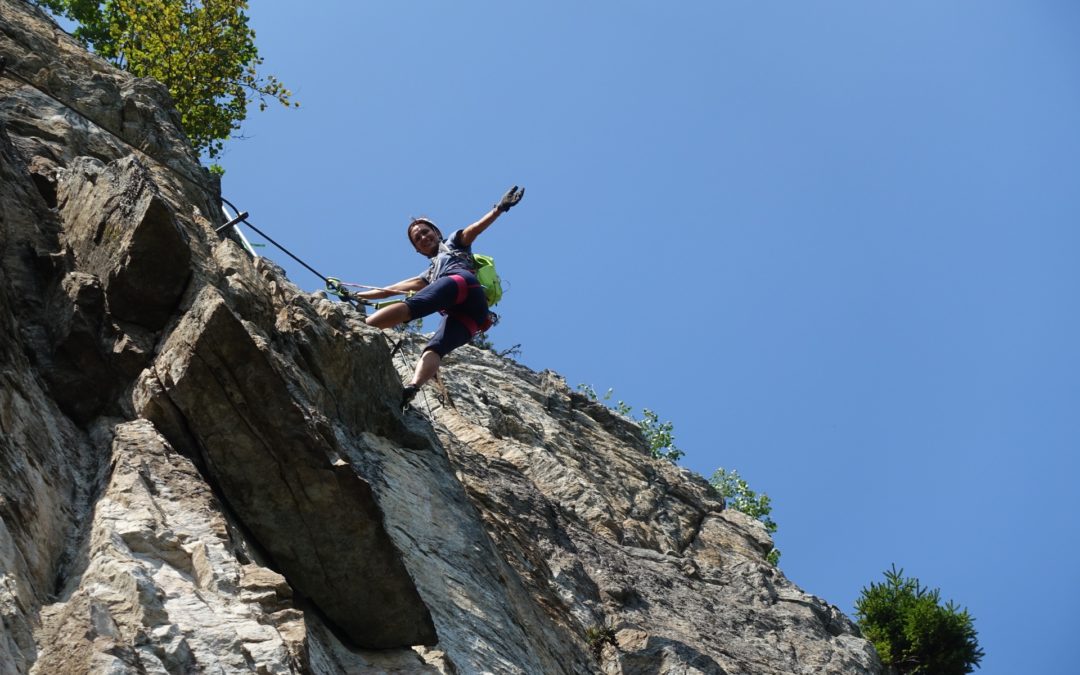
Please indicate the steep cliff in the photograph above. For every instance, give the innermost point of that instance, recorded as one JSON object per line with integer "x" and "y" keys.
{"x": 203, "y": 469}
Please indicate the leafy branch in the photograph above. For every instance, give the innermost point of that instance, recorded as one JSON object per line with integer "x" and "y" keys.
{"x": 738, "y": 495}
{"x": 202, "y": 51}
{"x": 659, "y": 435}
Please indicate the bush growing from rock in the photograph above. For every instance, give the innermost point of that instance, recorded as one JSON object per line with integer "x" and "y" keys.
{"x": 738, "y": 495}
{"x": 913, "y": 632}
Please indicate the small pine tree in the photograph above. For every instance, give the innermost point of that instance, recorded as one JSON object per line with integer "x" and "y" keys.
{"x": 911, "y": 630}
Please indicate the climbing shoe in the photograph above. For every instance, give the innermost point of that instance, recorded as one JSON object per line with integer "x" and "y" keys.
{"x": 408, "y": 394}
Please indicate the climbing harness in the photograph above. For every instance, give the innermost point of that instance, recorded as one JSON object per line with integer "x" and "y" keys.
{"x": 455, "y": 312}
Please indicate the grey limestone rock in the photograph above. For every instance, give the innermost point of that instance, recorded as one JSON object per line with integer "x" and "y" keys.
{"x": 205, "y": 470}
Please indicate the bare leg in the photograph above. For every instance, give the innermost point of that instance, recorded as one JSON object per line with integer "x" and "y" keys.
{"x": 426, "y": 368}
{"x": 390, "y": 316}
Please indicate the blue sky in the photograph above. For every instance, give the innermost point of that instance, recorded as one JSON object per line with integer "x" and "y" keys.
{"x": 833, "y": 242}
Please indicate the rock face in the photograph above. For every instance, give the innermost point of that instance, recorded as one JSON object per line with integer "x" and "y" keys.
{"x": 203, "y": 469}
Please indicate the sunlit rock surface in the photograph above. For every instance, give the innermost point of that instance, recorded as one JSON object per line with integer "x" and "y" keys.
{"x": 204, "y": 470}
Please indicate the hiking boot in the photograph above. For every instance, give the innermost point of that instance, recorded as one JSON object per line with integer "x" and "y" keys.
{"x": 408, "y": 394}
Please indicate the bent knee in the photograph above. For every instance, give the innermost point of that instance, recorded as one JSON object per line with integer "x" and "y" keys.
{"x": 388, "y": 317}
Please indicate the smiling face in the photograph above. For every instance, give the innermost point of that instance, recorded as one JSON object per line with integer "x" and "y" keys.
{"x": 425, "y": 237}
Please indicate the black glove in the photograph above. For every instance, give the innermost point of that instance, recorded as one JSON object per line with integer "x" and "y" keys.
{"x": 512, "y": 197}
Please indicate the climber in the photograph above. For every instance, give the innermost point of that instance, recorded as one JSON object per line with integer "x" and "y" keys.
{"x": 449, "y": 286}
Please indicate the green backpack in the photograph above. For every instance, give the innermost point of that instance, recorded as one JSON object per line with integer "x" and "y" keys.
{"x": 488, "y": 278}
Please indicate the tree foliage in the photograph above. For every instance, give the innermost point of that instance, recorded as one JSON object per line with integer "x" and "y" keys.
{"x": 738, "y": 495}
{"x": 660, "y": 436}
{"x": 913, "y": 632}
{"x": 202, "y": 51}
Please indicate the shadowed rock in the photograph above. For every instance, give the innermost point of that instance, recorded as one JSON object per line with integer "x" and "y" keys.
{"x": 122, "y": 231}
{"x": 315, "y": 517}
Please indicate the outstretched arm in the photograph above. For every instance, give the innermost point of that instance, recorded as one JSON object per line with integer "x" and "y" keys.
{"x": 411, "y": 284}
{"x": 512, "y": 197}
{"x": 470, "y": 233}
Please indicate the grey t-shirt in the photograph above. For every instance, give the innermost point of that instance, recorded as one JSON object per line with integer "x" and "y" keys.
{"x": 453, "y": 256}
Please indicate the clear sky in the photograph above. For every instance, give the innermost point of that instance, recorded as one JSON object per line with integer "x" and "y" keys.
{"x": 833, "y": 242}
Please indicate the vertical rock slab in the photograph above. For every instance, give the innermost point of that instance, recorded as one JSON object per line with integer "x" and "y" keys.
{"x": 284, "y": 477}
{"x": 43, "y": 477}
{"x": 45, "y": 461}
{"x": 159, "y": 587}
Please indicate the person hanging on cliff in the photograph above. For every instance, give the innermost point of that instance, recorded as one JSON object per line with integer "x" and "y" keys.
{"x": 449, "y": 286}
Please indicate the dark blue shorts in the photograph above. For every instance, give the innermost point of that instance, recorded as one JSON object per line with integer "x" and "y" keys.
{"x": 461, "y": 298}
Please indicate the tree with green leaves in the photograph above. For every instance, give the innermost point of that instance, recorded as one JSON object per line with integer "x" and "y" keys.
{"x": 659, "y": 435}
{"x": 738, "y": 495}
{"x": 913, "y": 632}
{"x": 202, "y": 51}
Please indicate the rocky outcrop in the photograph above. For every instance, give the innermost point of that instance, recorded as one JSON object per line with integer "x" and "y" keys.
{"x": 203, "y": 469}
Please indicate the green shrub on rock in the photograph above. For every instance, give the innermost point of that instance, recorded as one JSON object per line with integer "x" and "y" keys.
{"x": 738, "y": 495}
{"x": 913, "y": 632}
